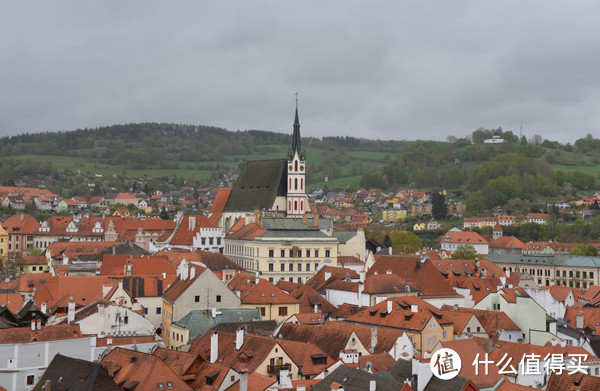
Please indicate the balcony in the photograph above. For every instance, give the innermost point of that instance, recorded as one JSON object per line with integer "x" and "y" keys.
{"x": 277, "y": 368}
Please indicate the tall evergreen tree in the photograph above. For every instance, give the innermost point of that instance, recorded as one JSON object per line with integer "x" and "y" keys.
{"x": 439, "y": 210}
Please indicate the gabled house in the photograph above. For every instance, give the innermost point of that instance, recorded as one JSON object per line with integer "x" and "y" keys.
{"x": 456, "y": 238}
{"x": 422, "y": 322}
{"x": 196, "y": 288}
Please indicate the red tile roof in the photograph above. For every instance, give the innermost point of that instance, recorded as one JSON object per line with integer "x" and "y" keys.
{"x": 265, "y": 293}
{"x": 216, "y": 209}
{"x": 20, "y": 224}
{"x": 140, "y": 371}
{"x": 14, "y": 301}
{"x": 248, "y": 232}
{"x": 424, "y": 276}
{"x": 467, "y": 350}
{"x": 121, "y": 265}
{"x": 492, "y": 321}
{"x": 378, "y": 362}
{"x": 180, "y": 286}
{"x": 46, "y": 333}
{"x": 463, "y": 237}
{"x": 83, "y": 290}
{"x": 575, "y": 382}
{"x": 184, "y": 236}
{"x": 301, "y": 354}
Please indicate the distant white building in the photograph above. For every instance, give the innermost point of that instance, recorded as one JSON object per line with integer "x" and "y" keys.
{"x": 494, "y": 140}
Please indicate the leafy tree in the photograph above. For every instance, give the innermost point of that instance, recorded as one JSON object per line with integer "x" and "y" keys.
{"x": 464, "y": 251}
{"x": 439, "y": 210}
{"x": 588, "y": 250}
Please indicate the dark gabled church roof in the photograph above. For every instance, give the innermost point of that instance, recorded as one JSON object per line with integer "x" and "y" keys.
{"x": 259, "y": 183}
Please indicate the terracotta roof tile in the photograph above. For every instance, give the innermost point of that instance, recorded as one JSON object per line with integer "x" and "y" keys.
{"x": 467, "y": 350}
{"x": 492, "y": 321}
{"x": 424, "y": 276}
{"x": 180, "y": 286}
{"x": 128, "y": 367}
{"x": 575, "y": 382}
{"x": 46, "y": 333}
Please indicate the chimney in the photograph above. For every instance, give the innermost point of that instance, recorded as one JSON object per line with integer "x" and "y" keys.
{"x": 191, "y": 223}
{"x": 372, "y": 385}
{"x": 38, "y": 324}
{"x": 44, "y": 307}
{"x": 373, "y": 339}
{"x": 388, "y": 272}
{"x": 301, "y": 387}
{"x": 362, "y": 275}
{"x": 305, "y": 219}
{"x": 243, "y": 379}
{"x": 507, "y": 273}
{"x": 316, "y": 308}
{"x": 455, "y": 307}
{"x": 579, "y": 322}
{"x": 256, "y": 278}
{"x": 389, "y": 306}
{"x": 22, "y": 216}
{"x": 316, "y": 220}
{"x": 48, "y": 385}
{"x": 554, "y": 342}
{"x": 239, "y": 338}
{"x": 414, "y": 308}
{"x": 327, "y": 275}
{"x": 284, "y": 379}
{"x": 563, "y": 343}
{"x": 214, "y": 347}
{"x": 164, "y": 275}
{"x": 71, "y": 312}
{"x": 192, "y": 272}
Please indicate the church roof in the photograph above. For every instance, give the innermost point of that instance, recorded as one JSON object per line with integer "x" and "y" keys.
{"x": 259, "y": 183}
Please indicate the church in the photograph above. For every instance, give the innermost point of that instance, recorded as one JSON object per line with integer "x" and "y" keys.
{"x": 274, "y": 186}
{"x": 268, "y": 223}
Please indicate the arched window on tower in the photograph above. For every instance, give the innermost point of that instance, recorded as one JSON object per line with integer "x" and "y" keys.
{"x": 290, "y": 205}
{"x": 295, "y": 205}
{"x": 301, "y": 206}
{"x": 296, "y": 166}
{"x": 295, "y": 183}
{"x": 290, "y": 187}
{"x": 302, "y": 184}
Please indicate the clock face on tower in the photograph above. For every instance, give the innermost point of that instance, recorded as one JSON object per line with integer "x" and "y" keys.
{"x": 301, "y": 168}
{"x": 291, "y": 167}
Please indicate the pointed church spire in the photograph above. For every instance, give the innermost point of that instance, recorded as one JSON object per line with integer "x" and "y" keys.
{"x": 296, "y": 142}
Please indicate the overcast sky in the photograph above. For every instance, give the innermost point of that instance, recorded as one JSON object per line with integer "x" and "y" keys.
{"x": 385, "y": 69}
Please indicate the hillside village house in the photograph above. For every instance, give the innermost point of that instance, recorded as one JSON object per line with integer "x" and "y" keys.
{"x": 456, "y": 238}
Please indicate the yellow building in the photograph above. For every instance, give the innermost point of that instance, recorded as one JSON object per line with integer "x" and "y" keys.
{"x": 272, "y": 302}
{"x": 420, "y": 226}
{"x": 394, "y": 215}
{"x": 287, "y": 249}
{"x": 32, "y": 264}
{"x": 3, "y": 245}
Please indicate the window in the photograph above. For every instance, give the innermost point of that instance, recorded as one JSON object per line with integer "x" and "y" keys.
{"x": 299, "y": 253}
{"x": 271, "y": 279}
{"x": 282, "y": 253}
{"x": 316, "y": 266}
{"x": 307, "y": 267}
{"x": 283, "y": 311}
{"x": 307, "y": 253}
{"x": 271, "y": 253}
{"x": 144, "y": 311}
{"x": 282, "y": 267}
{"x": 271, "y": 267}
{"x": 591, "y": 274}
{"x": 33, "y": 268}
{"x": 327, "y": 253}
{"x": 158, "y": 310}
{"x": 197, "y": 299}
{"x": 299, "y": 280}
{"x": 316, "y": 253}
{"x": 262, "y": 311}
{"x": 218, "y": 298}
{"x": 203, "y": 241}
{"x": 291, "y": 253}
{"x": 299, "y": 267}
{"x": 30, "y": 380}
{"x": 295, "y": 183}
{"x": 444, "y": 335}
{"x": 218, "y": 243}
{"x": 291, "y": 267}
{"x": 126, "y": 319}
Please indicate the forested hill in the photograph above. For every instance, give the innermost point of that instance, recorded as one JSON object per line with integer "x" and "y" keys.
{"x": 485, "y": 175}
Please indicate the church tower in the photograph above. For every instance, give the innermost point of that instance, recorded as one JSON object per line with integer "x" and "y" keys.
{"x": 297, "y": 201}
